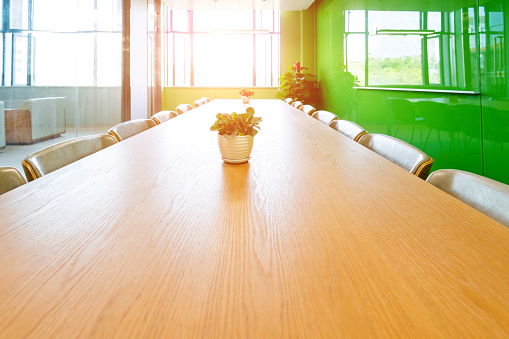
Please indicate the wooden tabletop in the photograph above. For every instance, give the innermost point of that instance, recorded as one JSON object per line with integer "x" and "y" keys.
{"x": 157, "y": 237}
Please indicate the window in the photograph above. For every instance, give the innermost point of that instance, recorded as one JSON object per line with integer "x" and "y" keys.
{"x": 80, "y": 38}
{"x": 410, "y": 48}
{"x": 221, "y": 48}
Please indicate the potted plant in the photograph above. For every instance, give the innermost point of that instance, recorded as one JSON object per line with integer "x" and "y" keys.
{"x": 235, "y": 135}
{"x": 245, "y": 94}
{"x": 298, "y": 85}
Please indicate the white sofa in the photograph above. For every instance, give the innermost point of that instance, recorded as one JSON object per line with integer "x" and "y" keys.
{"x": 2, "y": 126}
{"x": 35, "y": 120}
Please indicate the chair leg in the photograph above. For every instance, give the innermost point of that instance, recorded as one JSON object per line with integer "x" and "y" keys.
{"x": 426, "y": 142}
{"x": 396, "y": 133}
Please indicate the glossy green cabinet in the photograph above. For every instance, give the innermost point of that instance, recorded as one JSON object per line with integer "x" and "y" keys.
{"x": 430, "y": 73}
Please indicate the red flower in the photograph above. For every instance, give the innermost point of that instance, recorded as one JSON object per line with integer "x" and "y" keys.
{"x": 246, "y": 92}
{"x": 296, "y": 67}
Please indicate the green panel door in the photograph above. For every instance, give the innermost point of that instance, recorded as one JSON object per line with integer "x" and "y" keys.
{"x": 493, "y": 28}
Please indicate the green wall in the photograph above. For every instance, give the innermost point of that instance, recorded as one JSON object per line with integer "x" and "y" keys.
{"x": 451, "y": 100}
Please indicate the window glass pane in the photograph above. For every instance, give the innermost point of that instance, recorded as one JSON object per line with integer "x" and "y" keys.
{"x": 65, "y": 19}
{"x": 182, "y": 60}
{"x": 496, "y": 20}
{"x": 275, "y": 58}
{"x": 20, "y": 59}
{"x": 395, "y": 60}
{"x": 88, "y": 15}
{"x": 168, "y": 65}
{"x": 63, "y": 52}
{"x": 393, "y": 20}
{"x": 356, "y": 56}
{"x": 452, "y": 22}
{"x": 435, "y": 21}
{"x": 267, "y": 20}
{"x": 180, "y": 21}
{"x": 482, "y": 19}
{"x": 277, "y": 20}
{"x": 82, "y": 60}
{"x": 434, "y": 61}
{"x": 205, "y": 21}
{"x": 109, "y": 15}
{"x": 264, "y": 60}
{"x": 7, "y": 76}
{"x": 452, "y": 62}
{"x": 355, "y": 21}
{"x": 19, "y": 14}
{"x": 109, "y": 52}
{"x": 1, "y": 57}
{"x": 471, "y": 20}
{"x": 232, "y": 67}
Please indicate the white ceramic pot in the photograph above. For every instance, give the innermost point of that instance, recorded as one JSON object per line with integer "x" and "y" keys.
{"x": 236, "y": 150}
{"x": 245, "y": 100}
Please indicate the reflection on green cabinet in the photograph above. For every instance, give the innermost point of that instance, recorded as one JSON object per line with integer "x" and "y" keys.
{"x": 430, "y": 73}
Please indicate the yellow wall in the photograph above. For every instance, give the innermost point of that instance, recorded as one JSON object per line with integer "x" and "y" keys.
{"x": 308, "y": 38}
{"x": 174, "y": 96}
{"x": 290, "y": 39}
{"x": 297, "y": 44}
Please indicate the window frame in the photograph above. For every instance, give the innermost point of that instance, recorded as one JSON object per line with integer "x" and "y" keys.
{"x": 8, "y": 64}
{"x": 169, "y": 35}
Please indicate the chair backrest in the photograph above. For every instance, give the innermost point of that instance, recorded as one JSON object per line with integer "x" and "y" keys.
{"x": 325, "y": 117}
{"x": 488, "y": 196}
{"x": 401, "y": 111}
{"x": 183, "y": 108}
{"x": 198, "y": 103}
{"x": 308, "y": 109}
{"x": 399, "y": 152}
{"x": 296, "y": 104}
{"x": 163, "y": 116}
{"x": 288, "y": 101}
{"x": 129, "y": 128}
{"x": 10, "y": 178}
{"x": 348, "y": 128}
{"x": 62, "y": 154}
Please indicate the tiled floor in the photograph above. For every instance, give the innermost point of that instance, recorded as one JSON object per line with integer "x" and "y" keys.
{"x": 12, "y": 155}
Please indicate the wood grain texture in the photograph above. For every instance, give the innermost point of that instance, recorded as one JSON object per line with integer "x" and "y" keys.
{"x": 18, "y": 126}
{"x": 316, "y": 236}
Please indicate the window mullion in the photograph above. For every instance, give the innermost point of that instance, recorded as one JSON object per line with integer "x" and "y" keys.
{"x": 254, "y": 49}
{"x": 191, "y": 42}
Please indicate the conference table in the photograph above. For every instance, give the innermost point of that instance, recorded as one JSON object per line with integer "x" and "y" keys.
{"x": 316, "y": 236}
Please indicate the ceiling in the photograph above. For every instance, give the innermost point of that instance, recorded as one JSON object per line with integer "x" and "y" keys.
{"x": 281, "y": 5}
